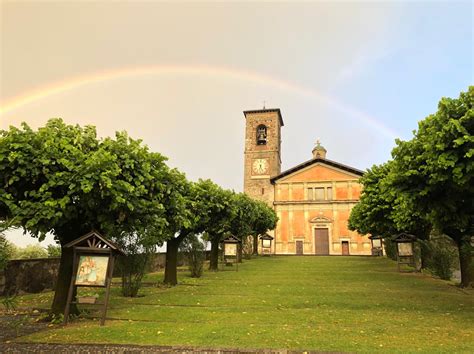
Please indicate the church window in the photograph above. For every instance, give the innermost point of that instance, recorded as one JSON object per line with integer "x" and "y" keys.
{"x": 319, "y": 193}
{"x": 261, "y": 135}
{"x": 329, "y": 193}
{"x": 263, "y": 191}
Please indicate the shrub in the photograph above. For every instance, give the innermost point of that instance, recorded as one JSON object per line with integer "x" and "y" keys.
{"x": 6, "y": 251}
{"x": 133, "y": 265}
{"x": 440, "y": 256}
{"x": 30, "y": 252}
{"x": 53, "y": 251}
{"x": 193, "y": 250}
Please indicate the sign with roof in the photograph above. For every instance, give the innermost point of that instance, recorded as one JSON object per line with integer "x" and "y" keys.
{"x": 93, "y": 265}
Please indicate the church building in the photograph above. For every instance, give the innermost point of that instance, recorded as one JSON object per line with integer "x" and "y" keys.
{"x": 312, "y": 200}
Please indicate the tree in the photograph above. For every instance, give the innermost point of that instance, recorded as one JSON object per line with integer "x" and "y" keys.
{"x": 384, "y": 212}
{"x": 64, "y": 180}
{"x": 242, "y": 223}
{"x": 180, "y": 228}
{"x": 435, "y": 172}
{"x": 266, "y": 219}
{"x": 220, "y": 217}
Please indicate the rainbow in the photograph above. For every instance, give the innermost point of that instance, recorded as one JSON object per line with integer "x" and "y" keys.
{"x": 195, "y": 70}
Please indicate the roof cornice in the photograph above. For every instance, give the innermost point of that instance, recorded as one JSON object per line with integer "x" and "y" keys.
{"x": 266, "y": 110}
{"x": 315, "y": 161}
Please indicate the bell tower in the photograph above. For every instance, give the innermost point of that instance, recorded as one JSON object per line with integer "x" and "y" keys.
{"x": 262, "y": 155}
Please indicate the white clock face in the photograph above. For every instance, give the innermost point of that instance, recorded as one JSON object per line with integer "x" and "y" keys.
{"x": 260, "y": 166}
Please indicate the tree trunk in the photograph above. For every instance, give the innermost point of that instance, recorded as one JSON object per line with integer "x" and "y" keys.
{"x": 255, "y": 245}
{"x": 171, "y": 273}
{"x": 63, "y": 282}
{"x": 214, "y": 257}
{"x": 465, "y": 255}
{"x": 239, "y": 252}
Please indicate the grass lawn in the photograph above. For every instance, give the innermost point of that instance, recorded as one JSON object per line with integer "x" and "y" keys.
{"x": 357, "y": 304}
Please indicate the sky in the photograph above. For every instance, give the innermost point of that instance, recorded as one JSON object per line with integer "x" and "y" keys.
{"x": 178, "y": 75}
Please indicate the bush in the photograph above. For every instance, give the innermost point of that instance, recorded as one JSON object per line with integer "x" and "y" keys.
{"x": 133, "y": 265}
{"x": 194, "y": 251}
{"x": 53, "y": 251}
{"x": 6, "y": 251}
{"x": 440, "y": 256}
{"x": 29, "y": 252}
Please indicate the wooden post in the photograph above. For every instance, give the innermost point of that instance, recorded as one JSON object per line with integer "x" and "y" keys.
{"x": 110, "y": 267}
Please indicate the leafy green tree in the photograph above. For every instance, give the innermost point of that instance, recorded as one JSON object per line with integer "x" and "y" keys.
{"x": 266, "y": 219}
{"x": 385, "y": 212}
{"x": 64, "y": 180}
{"x": 179, "y": 228}
{"x": 210, "y": 208}
{"x": 220, "y": 219}
{"x": 252, "y": 218}
{"x": 435, "y": 172}
{"x": 53, "y": 251}
{"x": 242, "y": 223}
{"x": 373, "y": 213}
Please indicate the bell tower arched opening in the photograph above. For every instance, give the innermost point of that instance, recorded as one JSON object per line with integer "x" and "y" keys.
{"x": 261, "y": 135}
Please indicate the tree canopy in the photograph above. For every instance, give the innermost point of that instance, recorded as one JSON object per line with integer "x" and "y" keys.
{"x": 429, "y": 182}
{"x": 382, "y": 211}
{"x": 64, "y": 180}
{"x": 435, "y": 171}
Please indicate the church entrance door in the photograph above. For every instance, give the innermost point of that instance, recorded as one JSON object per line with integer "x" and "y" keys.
{"x": 299, "y": 247}
{"x": 321, "y": 241}
{"x": 345, "y": 248}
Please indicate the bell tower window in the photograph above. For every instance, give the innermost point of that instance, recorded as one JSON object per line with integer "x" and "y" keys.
{"x": 261, "y": 135}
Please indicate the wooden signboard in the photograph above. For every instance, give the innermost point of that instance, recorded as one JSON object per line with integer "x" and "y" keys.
{"x": 405, "y": 254}
{"x": 93, "y": 267}
{"x": 231, "y": 245}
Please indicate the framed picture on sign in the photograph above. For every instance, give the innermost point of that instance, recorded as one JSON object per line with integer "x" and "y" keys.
{"x": 92, "y": 270}
{"x": 405, "y": 249}
{"x": 230, "y": 249}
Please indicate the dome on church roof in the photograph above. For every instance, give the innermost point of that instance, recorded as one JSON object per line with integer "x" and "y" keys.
{"x": 319, "y": 151}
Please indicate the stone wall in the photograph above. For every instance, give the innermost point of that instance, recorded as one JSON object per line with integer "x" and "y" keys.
{"x": 29, "y": 275}
{"x": 36, "y": 275}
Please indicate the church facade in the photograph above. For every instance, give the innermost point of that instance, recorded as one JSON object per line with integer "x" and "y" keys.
{"x": 312, "y": 200}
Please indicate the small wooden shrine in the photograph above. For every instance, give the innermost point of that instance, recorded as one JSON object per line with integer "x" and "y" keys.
{"x": 376, "y": 243}
{"x": 405, "y": 249}
{"x": 230, "y": 251}
{"x": 93, "y": 266}
{"x": 266, "y": 244}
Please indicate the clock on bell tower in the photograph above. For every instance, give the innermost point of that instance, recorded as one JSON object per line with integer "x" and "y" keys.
{"x": 262, "y": 155}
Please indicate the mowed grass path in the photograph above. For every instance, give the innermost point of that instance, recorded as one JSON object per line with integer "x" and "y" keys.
{"x": 356, "y": 304}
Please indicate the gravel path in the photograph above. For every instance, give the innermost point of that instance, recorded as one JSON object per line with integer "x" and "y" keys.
{"x": 91, "y": 348}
